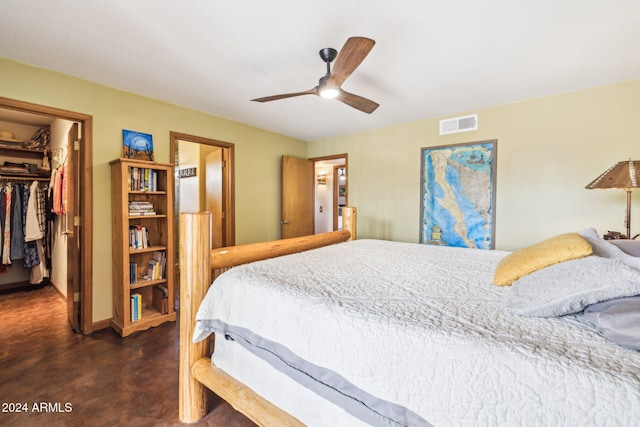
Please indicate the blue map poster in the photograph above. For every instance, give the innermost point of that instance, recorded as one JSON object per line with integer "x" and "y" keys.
{"x": 457, "y": 206}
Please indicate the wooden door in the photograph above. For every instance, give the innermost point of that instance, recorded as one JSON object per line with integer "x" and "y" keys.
{"x": 214, "y": 197}
{"x": 73, "y": 230}
{"x": 297, "y": 197}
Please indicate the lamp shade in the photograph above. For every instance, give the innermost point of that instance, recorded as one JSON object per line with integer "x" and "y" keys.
{"x": 625, "y": 174}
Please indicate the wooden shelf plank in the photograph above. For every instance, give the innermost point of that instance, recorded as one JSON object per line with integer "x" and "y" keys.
{"x": 144, "y": 283}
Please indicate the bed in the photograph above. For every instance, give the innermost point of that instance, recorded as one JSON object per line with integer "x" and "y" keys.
{"x": 330, "y": 330}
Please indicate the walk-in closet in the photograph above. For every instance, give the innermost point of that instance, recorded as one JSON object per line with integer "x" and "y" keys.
{"x": 34, "y": 155}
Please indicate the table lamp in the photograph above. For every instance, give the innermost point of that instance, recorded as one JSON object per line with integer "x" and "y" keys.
{"x": 624, "y": 175}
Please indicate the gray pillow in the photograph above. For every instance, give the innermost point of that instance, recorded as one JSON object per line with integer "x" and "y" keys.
{"x": 570, "y": 286}
{"x": 600, "y": 246}
{"x": 618, "y": 320}
{"x": 630, "y": 247}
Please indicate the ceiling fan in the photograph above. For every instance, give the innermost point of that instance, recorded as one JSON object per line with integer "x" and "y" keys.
{"x": 354, "y": 51}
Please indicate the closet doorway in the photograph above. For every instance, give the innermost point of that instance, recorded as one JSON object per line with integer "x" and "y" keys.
{"x": 71, "y": 272}
{"x": 204, "y": 181}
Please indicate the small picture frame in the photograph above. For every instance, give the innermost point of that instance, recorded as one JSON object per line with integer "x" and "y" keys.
{"x": 137, "y": 145}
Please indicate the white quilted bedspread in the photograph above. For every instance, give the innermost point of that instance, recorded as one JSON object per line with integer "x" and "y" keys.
{"x": 425, "y": 327}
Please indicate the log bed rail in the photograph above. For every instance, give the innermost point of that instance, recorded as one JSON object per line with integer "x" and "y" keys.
{"x": 199, "y": 266}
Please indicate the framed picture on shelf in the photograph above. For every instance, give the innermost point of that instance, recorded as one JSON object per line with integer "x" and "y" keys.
{"x": 457, "y": 195}
{"x": 137, "y": 145}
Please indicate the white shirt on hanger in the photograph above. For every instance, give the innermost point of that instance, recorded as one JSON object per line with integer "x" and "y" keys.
{"x": 32, "y": 227}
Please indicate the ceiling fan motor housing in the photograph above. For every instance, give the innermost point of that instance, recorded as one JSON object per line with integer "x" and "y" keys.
{"x": 328, "y": 54}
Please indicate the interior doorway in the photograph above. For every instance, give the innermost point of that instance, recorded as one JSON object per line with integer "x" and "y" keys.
{"x": 76, "y": 154}
{"x": 331, "y": 191}
{"x": 310, "y": 195}
{"x": 204, "y": 182}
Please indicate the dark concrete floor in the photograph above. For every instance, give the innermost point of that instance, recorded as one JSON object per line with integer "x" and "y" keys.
{"x": 59, "y": 378}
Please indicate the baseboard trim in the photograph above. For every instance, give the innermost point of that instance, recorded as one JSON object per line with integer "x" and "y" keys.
{"x": 101, "y": 324}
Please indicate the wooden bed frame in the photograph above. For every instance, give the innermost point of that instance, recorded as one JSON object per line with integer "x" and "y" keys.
{"x": 198, "y": 267}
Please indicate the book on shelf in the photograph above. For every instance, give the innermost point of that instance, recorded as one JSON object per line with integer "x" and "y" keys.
{"x": 138, "y": 237}
{"x": 153, "y": 270}
{"x": 136, "y": 307}
{"x": 156, "y": 266}
{"x": 133, "y": 273}
{"x": 142, "y": 179}
{"x": 142, "y": 213}
{"x": 161, "y": 258}
{"x": 141, "y": 208}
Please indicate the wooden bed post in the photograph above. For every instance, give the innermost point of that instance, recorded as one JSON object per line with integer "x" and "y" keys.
{"x": 349, "y": 215}
{"x": 197, "y": 262}
{"x": 194, "y": 282}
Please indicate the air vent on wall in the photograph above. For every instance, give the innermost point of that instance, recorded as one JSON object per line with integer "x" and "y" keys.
{"x": 459, "y": 124}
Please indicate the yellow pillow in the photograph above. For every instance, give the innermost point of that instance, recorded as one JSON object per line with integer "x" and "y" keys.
{"x": 557, "y": 249}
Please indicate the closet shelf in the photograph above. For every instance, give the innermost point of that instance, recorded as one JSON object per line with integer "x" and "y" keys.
{"x": 6, "y": 150}
{"x": 24, "y": 177}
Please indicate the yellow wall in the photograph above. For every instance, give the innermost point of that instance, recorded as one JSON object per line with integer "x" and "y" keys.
{"x": 258, "y": 153}
{"x": 548, "y": 150}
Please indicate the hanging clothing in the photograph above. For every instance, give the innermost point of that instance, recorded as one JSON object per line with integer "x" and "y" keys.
{"x": 17, "y": 228}
{"x": 41, "y": 206}
{"x": 31, "y": 258}
{"x": 54, "y": 190}
{"x": 1, "y": 220}
{"x": 59, "y": 190}
{"x": 64, "y": 193}
{"x": 6, "y": 247}
{"x": 39, "y": 272}
{"x": 33, "y": 230}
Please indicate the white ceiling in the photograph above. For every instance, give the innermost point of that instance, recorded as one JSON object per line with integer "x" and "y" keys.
{"x": 431, "y": 58}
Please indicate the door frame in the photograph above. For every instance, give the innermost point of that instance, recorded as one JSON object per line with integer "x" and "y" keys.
{"x": 83, "y": 227}
{"x": 229, "y": 222}
{"x": 336, "y": 192}
{"x": 344, "y": 156}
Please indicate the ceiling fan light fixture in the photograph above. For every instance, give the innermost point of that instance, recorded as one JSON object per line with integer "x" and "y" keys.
{"x": 329, "y": 93}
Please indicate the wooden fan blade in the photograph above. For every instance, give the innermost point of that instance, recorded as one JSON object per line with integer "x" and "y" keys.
{"x": 313, "y": 91}
{"x": 363, "y": 104}
{"x": 354, "y": 51}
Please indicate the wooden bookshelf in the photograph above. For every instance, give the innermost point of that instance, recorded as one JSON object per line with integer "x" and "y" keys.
{"x": 142, "y": 221}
